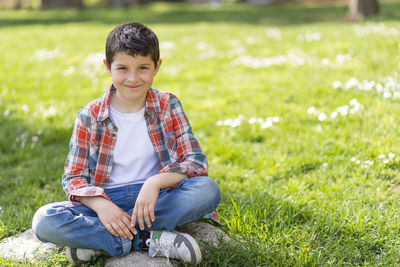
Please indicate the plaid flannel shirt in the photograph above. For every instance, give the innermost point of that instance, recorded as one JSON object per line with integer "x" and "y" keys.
{"x": 90, "y": 159}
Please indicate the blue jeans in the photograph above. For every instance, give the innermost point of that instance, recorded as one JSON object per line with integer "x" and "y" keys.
{"x": 75, "y": 225}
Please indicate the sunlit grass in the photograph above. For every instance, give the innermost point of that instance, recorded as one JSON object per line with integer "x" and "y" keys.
{"x": 298, "y": 187}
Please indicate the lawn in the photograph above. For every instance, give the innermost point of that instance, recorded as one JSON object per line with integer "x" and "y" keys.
{"x": 296, "y": 108}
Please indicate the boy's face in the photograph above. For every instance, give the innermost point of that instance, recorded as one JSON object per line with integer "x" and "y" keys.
{"x": 132, "y": 77}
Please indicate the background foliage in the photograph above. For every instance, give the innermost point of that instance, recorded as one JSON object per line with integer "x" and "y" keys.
{"x": 296, "y": 108}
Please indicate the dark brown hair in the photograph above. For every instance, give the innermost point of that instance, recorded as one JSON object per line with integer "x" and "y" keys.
{"x": 132, "y": 39}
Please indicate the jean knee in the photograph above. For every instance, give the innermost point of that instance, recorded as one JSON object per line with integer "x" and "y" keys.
{"x": 42, "y": 223}
{"x": 210, "y": 191}
{"x": 38, "y": 222}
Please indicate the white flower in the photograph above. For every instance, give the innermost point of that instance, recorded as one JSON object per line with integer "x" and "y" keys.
{"x": 94, "y": 59}
{"x": 6, "y": 113}
{"x": 69, "y": 71}
{"x": 309, "y": 37}
{"x": 325, "y": 165}
{"x": 202, "y": 46}
{"x": 236, "y": 123}
{"x": 325, "y": 62}
{"x": 379, "y": 87}
{"x": 353, "y": 102}
{"x": 50, "y": 112}
{"x": 167, "y": 45}
{"x": 385, "y": 161}
{"x": 387, "y": 94}
{"x": 275, "y": 119}
{"x": 381, "y": 156}
{"x": 294, "y": 57}
{"x": 336, "y": 84}
{"x": 35, "y": 139}
{"x": 353, "y": 159}
{"x": 351, "y": 83}
{"x": 334, "y": 115}
{"x": 25, "y": 108}
{"x": 391, "y": 155}
{"x": 343, "y": 110}
{"x": 342, "y": 58}
{"x": 252, "y": 120}
{"x": 250, "y": 40}
{"x": 240, "y": 50}
{"x": 274, "y": 33}
{"x": 266, "y": 124}
{"x": 208, "y": 54}
{"x": 43, "y": 54}
{"x": 311, "y": 110}
{"x": 322, "y": 116}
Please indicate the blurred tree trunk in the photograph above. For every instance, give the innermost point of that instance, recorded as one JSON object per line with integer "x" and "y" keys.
{"x": 116, "y": 3}
{"x": 360, "y": 9}
{"x": 18, "y": 4}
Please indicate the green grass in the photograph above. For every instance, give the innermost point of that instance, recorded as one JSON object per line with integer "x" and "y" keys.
{"x": 293, "y": 194}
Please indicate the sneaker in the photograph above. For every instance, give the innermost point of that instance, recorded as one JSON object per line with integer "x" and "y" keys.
{"x": 174, "y": 245}
{"x": 80, "y": 255}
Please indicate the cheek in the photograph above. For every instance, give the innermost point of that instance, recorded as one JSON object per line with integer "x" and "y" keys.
{"x": 148, "y": 78}
{"x": 117, "y": 78}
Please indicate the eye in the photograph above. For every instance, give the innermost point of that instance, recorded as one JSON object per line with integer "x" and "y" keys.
{"x": 143, "y": 68}
{"x": 121, "y": 68}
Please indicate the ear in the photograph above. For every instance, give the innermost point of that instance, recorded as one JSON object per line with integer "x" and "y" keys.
{"x": 108, "y": 68}
{"x": 157, "y": 67}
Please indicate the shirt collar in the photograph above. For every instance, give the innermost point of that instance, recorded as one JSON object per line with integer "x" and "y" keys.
{"x": 151, "y": 106}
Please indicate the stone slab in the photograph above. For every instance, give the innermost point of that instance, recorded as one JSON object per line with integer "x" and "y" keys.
{"x": 139, "y": 259}
{"x": 201, "y": 231}
{"x": 26, "y": 245}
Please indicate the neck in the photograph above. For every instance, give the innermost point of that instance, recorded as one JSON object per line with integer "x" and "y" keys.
{"x": 125, "y": 106}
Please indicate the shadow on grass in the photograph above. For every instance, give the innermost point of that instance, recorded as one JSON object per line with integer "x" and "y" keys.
{"x": 30, "y": 171}
{"x": 161, "y": 13}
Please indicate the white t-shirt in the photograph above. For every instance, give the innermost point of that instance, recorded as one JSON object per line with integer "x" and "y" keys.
{"x": 134, "y": 159}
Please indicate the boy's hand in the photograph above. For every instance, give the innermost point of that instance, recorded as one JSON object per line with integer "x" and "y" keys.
{"x": 145, "y": 202}
{"x": 115, "y": 220}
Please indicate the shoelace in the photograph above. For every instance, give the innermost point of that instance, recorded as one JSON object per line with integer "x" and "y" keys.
{"x": 164, "y": 248}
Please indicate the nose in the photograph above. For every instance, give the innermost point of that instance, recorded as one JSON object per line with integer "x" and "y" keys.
{"x": 132, "y": 76}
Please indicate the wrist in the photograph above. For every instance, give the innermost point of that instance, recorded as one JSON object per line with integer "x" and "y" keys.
{"x": 154, "y": 181}
{"x": 95, "y": 203}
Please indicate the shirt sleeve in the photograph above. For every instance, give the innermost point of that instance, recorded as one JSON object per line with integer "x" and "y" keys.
{"x": 191, "y": 160}
{"x": 76, "y": 180}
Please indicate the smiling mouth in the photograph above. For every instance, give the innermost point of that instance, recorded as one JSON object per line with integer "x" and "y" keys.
{"x": 132, "y": 87}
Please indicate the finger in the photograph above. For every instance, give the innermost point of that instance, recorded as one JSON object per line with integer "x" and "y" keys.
{"x": 133, "y": 217}
{"x": 127, "y": 227}
{"x": 118, "y": 230}
{"x": 151, "y": 212}
{"x": 110, "y": 229}
{"x": 133, "y": 221}
{"x": 132, "y": 229}
{"x": 147, "y": 217}
{"x": 125, "y": 230}
{"x": 140, "y": 219}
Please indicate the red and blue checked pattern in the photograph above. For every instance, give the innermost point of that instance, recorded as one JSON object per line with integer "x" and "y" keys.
{"x": 89, "y": 161}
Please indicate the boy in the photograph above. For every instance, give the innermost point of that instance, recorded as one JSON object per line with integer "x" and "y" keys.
{"x": 134, "y": 171}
